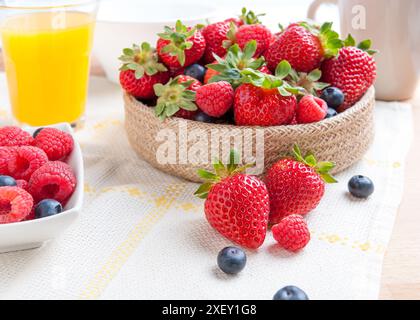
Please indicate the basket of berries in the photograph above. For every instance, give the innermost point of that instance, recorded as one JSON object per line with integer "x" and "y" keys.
{"x": 303, "y": 85}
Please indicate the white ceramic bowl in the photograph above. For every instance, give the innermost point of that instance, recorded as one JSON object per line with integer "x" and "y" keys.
{"x": 124, "y": 22}
{"x": 32, "y": 234}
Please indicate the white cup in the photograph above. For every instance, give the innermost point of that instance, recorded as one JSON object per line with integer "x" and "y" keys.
{"x": 394, "y": 28}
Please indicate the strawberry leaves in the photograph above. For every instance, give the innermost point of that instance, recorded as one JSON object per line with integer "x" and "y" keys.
{"x": 172, "y": 97}
{"x": 308, "y": 81}
{"x": 365, "y": 45}
{"x": 221, "y": 172}
{"x": 322, "y": 168}
{"x": 249, "y": 17}
{"x": 142, "y": 60}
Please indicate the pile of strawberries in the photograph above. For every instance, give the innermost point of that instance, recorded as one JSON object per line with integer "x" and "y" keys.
{"x": 241, "y": 206}
{"x": 238, "y": 71}
{"x": 33, "y": 170}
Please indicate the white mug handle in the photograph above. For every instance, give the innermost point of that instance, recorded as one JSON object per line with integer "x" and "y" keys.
{"x": 313, "y": 8}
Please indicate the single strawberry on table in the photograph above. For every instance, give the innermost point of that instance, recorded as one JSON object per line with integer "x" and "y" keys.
{"x": 304, "y": 46}
{"x": 215, "y": 99}
{"x": 266, "y": 100}
{"x": 296, "y": 186}
{"x": 140, "y": 70}
{"x": 237, "y": 204}
{"x": 353, "y": 71}
{"x": 180, "y": 46}
{"x": 176, "y": 98}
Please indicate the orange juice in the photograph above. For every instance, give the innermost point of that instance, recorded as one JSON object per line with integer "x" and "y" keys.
{"x": 46, "y": 57}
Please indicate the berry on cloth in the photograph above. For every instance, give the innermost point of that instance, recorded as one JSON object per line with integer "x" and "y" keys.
{"x": 334, "y": 97}
{"x": 26, "y": 161}
{"x": 141, "y": 70}
{"x": 361, "y": 187}
{"x": 7, "y": 181}
{"x": 47, "y": 208}
{"x": 215, "y": 99}
{"x": 181, "y": 46}
{"x": 11, "y": 136}
{"x": 6, "y": 155}
{"x": 292, "y": 233}
{"x": 290, "y": 293}
{"x": 56, "y": 144}
{"x": 296, "y": 186}
{"x": 237, "y": 204}
{"x": 311, "y": 109}
{"x": 54, "y": 180}
{"x": 231, "y": 260}
{"x": 15, "y": 204}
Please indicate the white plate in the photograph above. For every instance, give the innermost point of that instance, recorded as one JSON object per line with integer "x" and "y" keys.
{"x": 32, "y": 234}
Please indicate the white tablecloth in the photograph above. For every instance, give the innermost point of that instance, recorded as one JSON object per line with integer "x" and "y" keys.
{"x": 142, "y": 234}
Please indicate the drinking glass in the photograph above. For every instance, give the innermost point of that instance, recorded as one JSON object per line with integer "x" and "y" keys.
{"x": 46, "y": 51}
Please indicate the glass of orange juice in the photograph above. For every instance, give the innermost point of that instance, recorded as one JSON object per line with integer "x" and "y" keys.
{"x": 46, "y": 50}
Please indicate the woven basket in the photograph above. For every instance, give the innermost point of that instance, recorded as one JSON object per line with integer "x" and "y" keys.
{"x": 343, "y": 139}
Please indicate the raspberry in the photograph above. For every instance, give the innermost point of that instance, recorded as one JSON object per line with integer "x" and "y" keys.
{"x": 23, "y": 184}
{"x": 6, "y": 155}
{"x": 292, "y": 233}
{"x": 15, "y": 204}
{"x": 26, "y": 161}
{"x": 15, "y": 137}
{"x": 57, "y": 144}
{"x": 54, "y": 180}
{"x": 311, "y": 109}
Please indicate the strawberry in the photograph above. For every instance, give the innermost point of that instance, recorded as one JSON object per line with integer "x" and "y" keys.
{"x": 266, "y": 100}
{"x": 353, "y": 71}
{"x": 296, "y": 186}
{"x": 237, "y": 204}
{"x": 215, "y": 99}
{"x": 229, "y": 68}
{"x": 215, "y": 35}
{"x": 141, "y": 70}
{"x": 311, "y": 109}
{"x": 176, "y": 98}
{"x": 180, "y": 47}
{"x": 258, "y": 32}
{"x": 304, "y": 46}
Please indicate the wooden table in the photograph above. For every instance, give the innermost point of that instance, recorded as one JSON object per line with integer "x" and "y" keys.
{"x": 401, "y": 269}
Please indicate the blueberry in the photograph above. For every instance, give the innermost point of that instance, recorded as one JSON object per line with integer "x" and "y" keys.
{"x": 290, "y": 293}
{"x": 331, "y": 113}
{"x": 6, "y": 181}
{"x": 334, "y": 97}
{"x": 203, "y": 117}
{"x": 37, "y": 131}
{"x": 231, "y": 260}
{"x": 196, "y": 71}
{"x": 47, "y": 208}
{"x": 361, "y": 186}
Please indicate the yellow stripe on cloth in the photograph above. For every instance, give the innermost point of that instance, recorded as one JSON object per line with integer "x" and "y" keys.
{"x": 97, "y": 285}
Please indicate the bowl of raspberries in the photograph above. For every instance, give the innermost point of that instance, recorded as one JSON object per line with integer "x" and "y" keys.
{"x": 299, "y": 85}
{"x": 41, "y": 184}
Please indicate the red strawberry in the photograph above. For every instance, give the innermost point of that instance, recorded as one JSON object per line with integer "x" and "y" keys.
{"x": 353, "y": 71}
{"x": 255, "y": 106}
{"x": 176, "y": 98}
{"x": 215, "y": 34}
{"x": 304, "y": 47}
{"x": 215, "y": 99}
{"x": 311, "y": 109}
{"x": 261, "y": 34}
{"x": 237, "y": 204}
{"x": 181, "y": 46}
{"x": 141, "y": 71}
{"x": 296, "y": 186}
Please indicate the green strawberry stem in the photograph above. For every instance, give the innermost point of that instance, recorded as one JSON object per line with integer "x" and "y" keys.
{"x": 249, "y": 17}
{"x": 322, "y": 168}
{"x": 365, "y": 45}
{"x": 308, "y": 81}
{"x": 172, "y": 97}
{"x": 221, "y": 172}
{"x": 330, "y": 40}
{"x": 142, "y": 60}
